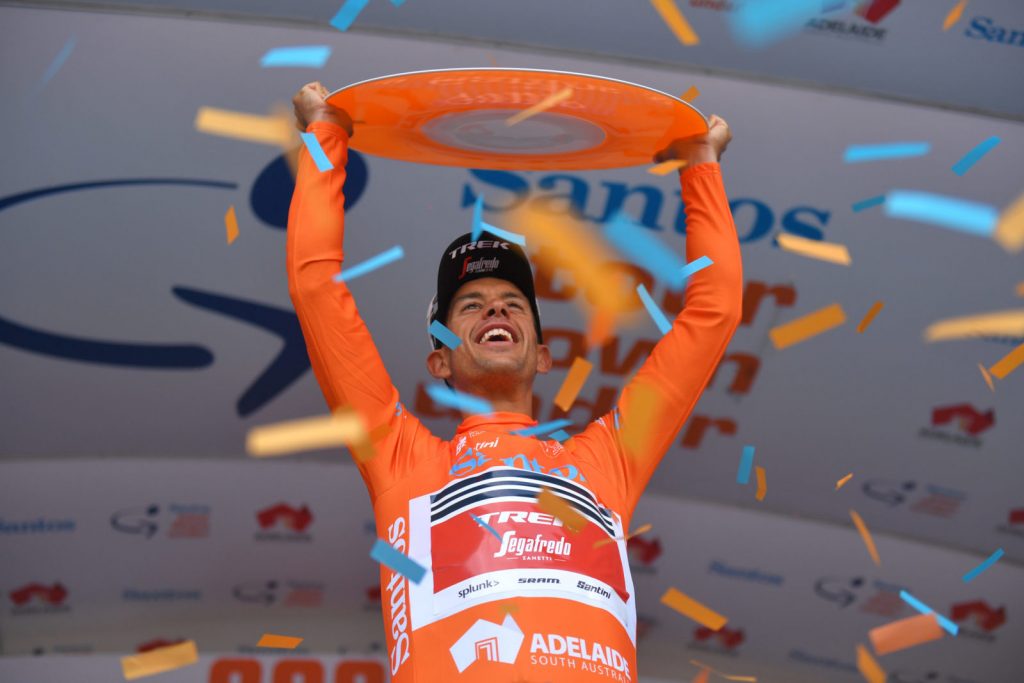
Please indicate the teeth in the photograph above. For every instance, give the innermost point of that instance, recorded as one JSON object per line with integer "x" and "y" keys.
{"x": 497, "y": 333}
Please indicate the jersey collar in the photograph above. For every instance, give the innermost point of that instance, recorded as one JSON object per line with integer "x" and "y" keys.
{"x": 496, "y": 422}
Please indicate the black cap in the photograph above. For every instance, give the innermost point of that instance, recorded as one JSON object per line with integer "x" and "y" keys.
{"x": 467, "y": 259}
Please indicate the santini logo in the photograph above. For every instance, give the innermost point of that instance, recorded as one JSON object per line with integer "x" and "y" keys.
{"x": 488, "y": 641}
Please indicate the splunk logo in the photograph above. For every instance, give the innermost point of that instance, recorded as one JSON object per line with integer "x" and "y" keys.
{"x": 38, "y": 598}
{"x": 282, "y": 522}
{"x": 566, "y": 194}
{"x": 269, "y": 198}
{"x": 959, "y": 424}
{"x": 179, "y": 520}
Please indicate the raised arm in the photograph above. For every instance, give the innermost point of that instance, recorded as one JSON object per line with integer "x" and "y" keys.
{"x": 656, "y": 403}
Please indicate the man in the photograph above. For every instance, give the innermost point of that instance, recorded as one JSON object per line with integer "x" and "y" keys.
{"x": 512, "y": 592}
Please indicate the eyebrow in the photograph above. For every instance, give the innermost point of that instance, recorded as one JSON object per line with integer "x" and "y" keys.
{"x": 509, "y": 294}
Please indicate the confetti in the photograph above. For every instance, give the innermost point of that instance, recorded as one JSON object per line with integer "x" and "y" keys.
{"x": 554, "y": 505}
{"x": 856, "y": 154}
{"x": 872, "y": 312}
{"x": 868, "y": 203}
{"x": 727, "y": 677}
{"x": 639, "y": 245}
{"x": 868, "y": 667}
{"x": 899, "y": 635}
{"x": 56, "y": 64}
{"x": 543, "y": 428}
{"x": 839, "y": 484}
{"x": 343, "y": 428}
{"x": 642, "y": 530}
{"x": 270, "y": 130}
{"x": 947, "y": 212}
{"x": 1010, "y": 228}
{"x": 746, "y": 463}
{"x": 344, "y": 17}
{"x": 702, "y": 676}
{"x": 444, "y": 335}
{"x": 1008, "y": 363}
{"x": 283, "y": 642}
{"x": 676, "y": 22}
{"x": 561, "y": 435}
{"x": 314, "y": 56}
{"x": 479, "y": 226}
{"x": 992, "y": 559}
{"x": 758, "y": 23}
{"x": 762, "y": 484}
{"x": 545, "y": 104}
{"x": 317, "y": 152}
{"x": 382, "y": 259}
{"x": 573, "y": 382}
{"x": 159, "y": 660}
{"x": 231, "y": 224}
{"x": 810, "y": 325}
{"x": 666, "y": 167}
{"x": 396, "y": 561}
{"x": 987, "y": 377}
{"x": 689, "y": 607}
{"x": 451, "y": 398}
{"x": 1020, "y": 289}
{"x": 691, "y": 94}
{"x": 996, "y": 324}
{"x": 823, "y": 251}
{"x": 865, "y": 536}
{"x": 974, "y": 155}
{"x": 652, "y": 308}
{"x": 925, "y": 609}
{"x": 954, "y": 15}
{"x": 486, "y": 526}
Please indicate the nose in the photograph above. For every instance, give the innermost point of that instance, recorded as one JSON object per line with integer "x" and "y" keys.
{"x": 497, "y": 308}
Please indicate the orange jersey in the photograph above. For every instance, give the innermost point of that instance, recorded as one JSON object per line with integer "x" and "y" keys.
{"x": 510, "y": 592}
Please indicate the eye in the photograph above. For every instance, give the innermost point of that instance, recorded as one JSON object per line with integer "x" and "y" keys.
{"x": 470, "y": 306}
{"x": 516, "y": 304}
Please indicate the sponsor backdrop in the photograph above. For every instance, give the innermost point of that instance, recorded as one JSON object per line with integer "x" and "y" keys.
{"x": 129, "y": 328}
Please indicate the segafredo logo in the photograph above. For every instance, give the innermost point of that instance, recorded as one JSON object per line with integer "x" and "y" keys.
{"x": 523, "y": 547}
{"x": 571, "y": 652}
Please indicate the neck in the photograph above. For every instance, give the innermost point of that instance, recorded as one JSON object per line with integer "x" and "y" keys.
{"x": 504, "y": 397}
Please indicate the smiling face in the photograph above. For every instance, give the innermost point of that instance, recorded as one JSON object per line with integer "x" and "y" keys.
{"x": 499, "y": 350}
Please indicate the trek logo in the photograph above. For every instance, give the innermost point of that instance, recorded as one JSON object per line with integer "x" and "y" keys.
{"x": 885, "y": 601}
{"x": 479, "y": 244}
{"x": 576, "y": 653}
{"x": 977, "y": 619}
{"x": 282, "y": 522}
{"x": 969, "y": 423}
{"x": 724, "y": 640}
{"x": 984, "y": 28}
{"x": 287, "y": 593}
{"x": 483, "y": 265}
{"x": 929, "y": 499}
{"x": 38, "y": 598}
{"x": 488, "y": 641}
{"x": 180, "y": 520}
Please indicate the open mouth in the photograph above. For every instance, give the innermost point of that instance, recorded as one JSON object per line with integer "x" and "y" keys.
{"x": 497, "y": 334}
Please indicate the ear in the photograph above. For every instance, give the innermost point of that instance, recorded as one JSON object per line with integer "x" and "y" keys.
{"x": 439, "y": 365}
{"x": 543, "y": 359}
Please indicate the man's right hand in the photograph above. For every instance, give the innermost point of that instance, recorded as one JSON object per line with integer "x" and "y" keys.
{"x": 311, "y": 106}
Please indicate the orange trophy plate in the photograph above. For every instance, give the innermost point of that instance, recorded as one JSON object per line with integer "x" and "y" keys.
{"x": 457, "y": 117}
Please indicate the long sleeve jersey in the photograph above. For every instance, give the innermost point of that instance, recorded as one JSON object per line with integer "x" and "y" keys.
{"x": 510, "y": 592}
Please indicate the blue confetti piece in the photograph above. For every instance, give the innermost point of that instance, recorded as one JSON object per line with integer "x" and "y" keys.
{"x": 391, "y": 558}
{"x": 746, "y": 463}
{"x": 348, "y": 13}
{"x": 925, "y": 609}
{"x": 451, "y": 398}
{"x": 642, "y": 247}
{"x": 57, "y": 63}
{"x": 695, "y": 266}
{"x": 992, "y": 559}
{"x": 397, "y": 3}
{"x": 947, "y": 212}
{"x": 868, "y": 203}
{"x": 382, "y": 259}
{"x": 856, "y": 154}
{"x": 314, "y": 56}
{"x": 444, "y": 335}
{"x": 543, "y": 428}
{"x": 652, "y": 308}
{"x": 486, "y": 526}
{"x": 317, "y": 152}
{"x": 758, "y": 23}
{"x": 560, "y": 436}
{"x": 479, "y": 226}
{"x": 972, "y": 157}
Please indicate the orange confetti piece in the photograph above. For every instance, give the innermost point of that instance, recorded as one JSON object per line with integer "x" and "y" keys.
{"x": 231, "y": 223}
{"x": 270, "y": 130}
{"x": 689, "y": 607}
{"x": 1009, "y": 232}
{"x": 702, "y": 676}
{"x": 823, "y": 251}
{"x": 666, "y": 167}
{"x": 642, "y": 530}
{"x": 1020, "y": 289}
{"x": 554, "y": 505}
{"x": 1008, "y": 363}
{"x": 676, "y": 22}
{"x": 988, "y": 377}
{"x": 762, "y": 485}
{"x": 868, "y": 667}
{"x": 344, "y": 428}
{"x": 727, "y": 677}
{"x": 573, "y": 383}
{"x": 691, "y": 94}
{"x": 839, "y": 484}
{"x": 899, "y": 635}
{"x": 865, "y": 536}
{"x": 545, "y": 104}
{"x": 954, "y": 15}
{"x": 283, "y": 642}
{"x": 875, "y": 309}
{"x": 159, "y": 660}
{"x": 997, "y": 324}
{"x": 808, "y": 326}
